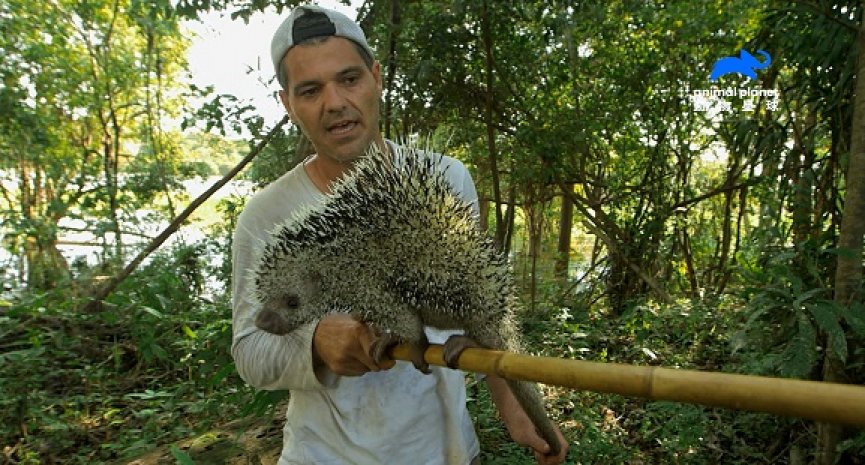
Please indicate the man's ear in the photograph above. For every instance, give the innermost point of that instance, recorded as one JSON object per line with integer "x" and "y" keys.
{"x": 376, "y": 74}
{"x": 283, "y": 97}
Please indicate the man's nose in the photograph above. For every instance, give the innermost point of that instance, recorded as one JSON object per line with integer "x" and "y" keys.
{"x": 334, "y": 100}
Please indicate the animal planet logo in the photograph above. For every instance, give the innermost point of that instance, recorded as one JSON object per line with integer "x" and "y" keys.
{"x": 714, "y": 100}
{"x": 745, "y": 64}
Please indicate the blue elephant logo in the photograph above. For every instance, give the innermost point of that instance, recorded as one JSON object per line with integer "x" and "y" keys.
{"x": 745, "y": 64}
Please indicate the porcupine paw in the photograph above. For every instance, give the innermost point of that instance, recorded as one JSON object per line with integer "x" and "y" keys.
{"x": 417, "y": 350}
{"x": 454, "y": 347}
{"x": 380, "y": 345}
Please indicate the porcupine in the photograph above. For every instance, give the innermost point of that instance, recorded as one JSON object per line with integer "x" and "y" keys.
{"x": 396, "y": 247}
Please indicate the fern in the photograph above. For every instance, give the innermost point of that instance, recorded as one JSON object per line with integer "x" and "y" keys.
{"x": 800, "y": 354}
{"x": 854, "y": 316}
{"x": 827, "y": 315}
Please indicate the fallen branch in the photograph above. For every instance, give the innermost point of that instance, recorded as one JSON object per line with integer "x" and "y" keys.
{"x": 96, "y": 298}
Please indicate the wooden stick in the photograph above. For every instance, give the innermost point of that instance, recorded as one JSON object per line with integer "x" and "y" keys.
{"x": 826, "y": 402}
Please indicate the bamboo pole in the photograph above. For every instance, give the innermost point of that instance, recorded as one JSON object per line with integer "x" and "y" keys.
{"x": 826, "y": 402}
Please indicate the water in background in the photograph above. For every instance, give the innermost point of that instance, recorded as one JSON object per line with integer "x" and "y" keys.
{"x": 85, "y": 246}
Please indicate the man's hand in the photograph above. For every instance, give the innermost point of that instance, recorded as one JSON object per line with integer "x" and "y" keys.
{"x": 520, "y": 427}
{"x": 523, "y": 432}
{"x": 342, "y": 344}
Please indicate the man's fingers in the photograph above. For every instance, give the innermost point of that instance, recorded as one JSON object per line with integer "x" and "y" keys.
{"x": 354, "y": 364}
{"x": 543, "y": 459}
{"x": 349, "y": 347}
{"x": 540, "y": 446}
{"x": 367, "y": 341}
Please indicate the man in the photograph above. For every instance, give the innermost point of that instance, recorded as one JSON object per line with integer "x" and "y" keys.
{"x": 345, "y": 407}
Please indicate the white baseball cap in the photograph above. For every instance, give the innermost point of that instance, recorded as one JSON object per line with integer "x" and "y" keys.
{"x": 316, "y": 22}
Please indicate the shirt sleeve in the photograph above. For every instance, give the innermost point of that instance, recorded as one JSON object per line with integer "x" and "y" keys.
{"x": 467, "y": 189}
{"x": 264, "y": 360}
{"x": 470, "y": 194}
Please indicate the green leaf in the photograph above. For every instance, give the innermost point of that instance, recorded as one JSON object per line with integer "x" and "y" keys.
{"x": 826, "y": 316}
{"x": 182, "y": 457}
{"x": 221, "y": 374}
{"x": 148, "y": 394}
{"x": 854, "y": 315}
{"x": 759, "y": 311}
{"x": 109, "y": 317}
{"x": 189, "y": 332}
{"x": 806, "y": 296}
{"x": 152, "y": 311}
{"x": 164, "y": 302}
{"x": 801, "y": 353}
{"x": 19, "y": 355}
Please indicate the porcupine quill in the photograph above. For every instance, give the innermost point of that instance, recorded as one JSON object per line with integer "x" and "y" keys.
{"x": 395, "y": 246}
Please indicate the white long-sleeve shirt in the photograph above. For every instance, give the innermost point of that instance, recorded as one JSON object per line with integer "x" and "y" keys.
{"x": 397, "y": 416}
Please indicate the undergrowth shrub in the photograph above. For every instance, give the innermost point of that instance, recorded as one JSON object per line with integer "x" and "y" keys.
{"x": 608, "y": 428}
{"x": 152, "y": 365}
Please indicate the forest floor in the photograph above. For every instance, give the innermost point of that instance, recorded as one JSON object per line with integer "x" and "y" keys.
{"x": 148, "y": 382}
{"x": 249, "y": 441}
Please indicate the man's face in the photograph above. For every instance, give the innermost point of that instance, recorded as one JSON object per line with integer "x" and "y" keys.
{"x": 333, "y": 97}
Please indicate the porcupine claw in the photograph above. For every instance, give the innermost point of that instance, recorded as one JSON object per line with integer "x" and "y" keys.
{"x": 379, "y": 347}
{"x": 454, "y": 347}
{"x": 417, "y": 355}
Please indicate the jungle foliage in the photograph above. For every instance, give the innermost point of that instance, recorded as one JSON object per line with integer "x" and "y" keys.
{"x": 646, "y": 224}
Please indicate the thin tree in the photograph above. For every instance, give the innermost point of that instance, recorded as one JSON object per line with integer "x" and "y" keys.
{"x": 848, "y": 273}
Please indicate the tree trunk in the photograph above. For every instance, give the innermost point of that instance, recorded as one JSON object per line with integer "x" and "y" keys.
{"x": 726, "y": 239}
{"x": 740, "y": 221}
{"x": 486, "y": 35}
{"x": 508, "y": 227}
{"x": 42, "y": 265}
{"x": 802, "y": 163}
{"x": 848, "y": 273}
{"x": 535, "y": 219}
{"x": 46, "y": 265}
{"x": 566, "y": 220}
{"x": 484, "y": 209}
{"x": 392, "y": 37}
{"x": 110, "y": 173}
{"x": 689, "y": 263}
{"x": 534, "y": 246}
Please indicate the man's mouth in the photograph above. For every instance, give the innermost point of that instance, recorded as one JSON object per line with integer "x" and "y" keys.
{"x": 341, "y": 127}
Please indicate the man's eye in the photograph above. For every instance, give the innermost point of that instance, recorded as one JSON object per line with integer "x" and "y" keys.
{"x": 307, "y": 92}
{"x": 350, "y": 79}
